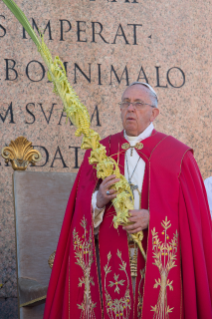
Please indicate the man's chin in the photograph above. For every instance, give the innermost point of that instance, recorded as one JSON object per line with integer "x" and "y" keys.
{"x": 131, "y": 132}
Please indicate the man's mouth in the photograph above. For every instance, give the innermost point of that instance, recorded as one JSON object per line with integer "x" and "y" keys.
{"x": 130, "y": 119}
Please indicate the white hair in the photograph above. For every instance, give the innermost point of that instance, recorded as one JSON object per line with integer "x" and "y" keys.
{"x": 153, "y": 93}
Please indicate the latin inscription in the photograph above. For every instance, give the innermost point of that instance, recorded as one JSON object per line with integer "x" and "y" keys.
{"x": 84, "y": 31}
{"x": 92, "y": 73}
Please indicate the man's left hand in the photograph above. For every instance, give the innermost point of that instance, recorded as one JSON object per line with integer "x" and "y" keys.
{"x": 140, "y": 220}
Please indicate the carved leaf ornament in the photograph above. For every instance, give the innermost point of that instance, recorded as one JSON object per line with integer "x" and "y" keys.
{"x": 20, "y": 153}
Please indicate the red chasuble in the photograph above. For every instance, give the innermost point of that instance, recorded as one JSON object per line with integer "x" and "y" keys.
{"x": 176, "y": 280}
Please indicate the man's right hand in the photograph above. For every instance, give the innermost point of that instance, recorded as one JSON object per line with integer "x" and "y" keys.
{"x": 103, "y": 198}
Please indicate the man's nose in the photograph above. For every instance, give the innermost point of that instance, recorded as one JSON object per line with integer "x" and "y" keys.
{"x": 131, "y": 107}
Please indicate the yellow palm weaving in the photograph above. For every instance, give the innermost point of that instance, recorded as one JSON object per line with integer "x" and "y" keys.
{"x": 78, "y": 114}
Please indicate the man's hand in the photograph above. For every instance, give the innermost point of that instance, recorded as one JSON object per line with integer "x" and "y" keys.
{"x": 140, "y": 219}
{"x": 105, "y": 193}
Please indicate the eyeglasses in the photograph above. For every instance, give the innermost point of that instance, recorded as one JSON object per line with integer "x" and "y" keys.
{"x": 137, "y": 105}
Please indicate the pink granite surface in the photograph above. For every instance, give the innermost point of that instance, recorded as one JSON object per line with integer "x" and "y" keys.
{"x": 174, "y": 39}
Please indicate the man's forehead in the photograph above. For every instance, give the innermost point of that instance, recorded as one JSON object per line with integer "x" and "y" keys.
{"x": 137, "y": 90}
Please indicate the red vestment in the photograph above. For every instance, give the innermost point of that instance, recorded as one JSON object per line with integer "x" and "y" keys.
{"x": 175, "y": 282}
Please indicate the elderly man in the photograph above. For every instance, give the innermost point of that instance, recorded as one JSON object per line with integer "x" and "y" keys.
{"x": 98, "y": 271}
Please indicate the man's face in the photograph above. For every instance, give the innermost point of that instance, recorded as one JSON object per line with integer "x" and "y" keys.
{"x": 136, "y": 120}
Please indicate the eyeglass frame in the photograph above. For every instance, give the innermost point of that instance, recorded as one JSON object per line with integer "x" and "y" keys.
{"x": 134, "y": 105}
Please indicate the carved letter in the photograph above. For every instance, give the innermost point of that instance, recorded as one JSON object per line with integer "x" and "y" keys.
{"x": 143, "y": 77}
{"x": 10, "y": 109}
{"x": 135, "y": 32}
{"x": 28, "y": 111}
{"x": 34, "y": 25}
{"x": 117, "y": 78}
{"x": 64, "y": 115}
{"x": 76, "y": 148}
{"x": 8, "y": 78}
{"x": 58, "y": 158}
{"x": 120, "y": 35}
{"x": 99, "y": 32}
{"x": 1, "y": 26}
{"x": 99, "y": 74}
{"x": 134, "y": 1}
{"x": 79, "y": 31}
{"x": 42, "y": 68}
{"x": 61, "y": 28}
{"x": 46, "y": 155}
{"x": 158, "y": 79}
{"x": 168, "y": 78}
{"x": 96, "y": 110}
{"x": 50, "y": 113}
{"x": 85, "y": 76}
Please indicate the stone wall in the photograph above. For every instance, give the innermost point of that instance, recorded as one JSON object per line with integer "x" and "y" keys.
{"x": 105, "y": 45}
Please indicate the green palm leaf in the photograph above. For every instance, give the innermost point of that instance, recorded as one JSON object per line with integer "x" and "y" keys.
{"x": 23, "y": 20}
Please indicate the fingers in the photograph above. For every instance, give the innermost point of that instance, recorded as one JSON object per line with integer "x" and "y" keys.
{"x": 133, "y": 219}
{"x": 136, "y": 230}
{"x": 108, "y": 178}
{"x": 106, "y": 186}
{"x": 135, "y": 216}
{"x": 105, "y": 193}
{"x": 112, "y": 192}
{"x": 139, "y": 220}
{"x": 135, "y": 212}
{"x": 131, "y": 227}
{"x": 111, "y": 197}
{"x": 107, "y": 183}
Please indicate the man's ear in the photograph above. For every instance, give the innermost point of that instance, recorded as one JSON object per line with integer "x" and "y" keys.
{"x": 155, "y": 113}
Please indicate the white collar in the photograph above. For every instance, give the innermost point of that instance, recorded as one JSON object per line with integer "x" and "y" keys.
{"x": 135, "y": 139}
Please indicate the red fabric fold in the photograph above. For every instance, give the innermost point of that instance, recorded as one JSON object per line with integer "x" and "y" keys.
{"x": 196, "y": 242}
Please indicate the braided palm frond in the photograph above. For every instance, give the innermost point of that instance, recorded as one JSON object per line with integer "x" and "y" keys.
{"x": 78, "y": 114}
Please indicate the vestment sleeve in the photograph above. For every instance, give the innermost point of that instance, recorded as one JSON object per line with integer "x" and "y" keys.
{"x": 98, "y": 213}
{"x": 195, "y": 240}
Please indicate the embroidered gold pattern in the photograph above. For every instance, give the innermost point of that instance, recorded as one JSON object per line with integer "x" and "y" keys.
{"x": 139, "y": 146}
{"x": 126, "y": 146}
{"x": 133, "y": 262}
{"x": 84, "y": 258}
{"x": 140, "y": 297}
{"x": 117, "y": 308}
{"x": 164, "y": 258}
{"x": 133, "y": 254}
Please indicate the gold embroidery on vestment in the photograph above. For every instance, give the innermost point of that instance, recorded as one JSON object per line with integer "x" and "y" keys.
{"x": 164, "y": 254}
{"x": 126, "y": 146}
{"x": 140, "y": 297}
{"x": 117, "y": 308}
{"x": 133, "y": 248}
{"x": 84, "y": 258}
{"x": 133, "y": 263}
{"x": 139, "y": 146}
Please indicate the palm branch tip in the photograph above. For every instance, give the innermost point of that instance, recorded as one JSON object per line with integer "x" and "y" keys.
{"x": 20, "y": 16}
